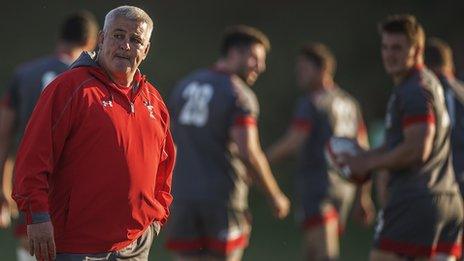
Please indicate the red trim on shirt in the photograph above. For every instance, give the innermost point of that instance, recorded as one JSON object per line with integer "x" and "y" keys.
{"x": 427, "y": 118}
{"x": 301, "y": 124}
{"x": 245, "y": 121}
{"x": 416, "y": 250}
{"x": 223, "y": 247}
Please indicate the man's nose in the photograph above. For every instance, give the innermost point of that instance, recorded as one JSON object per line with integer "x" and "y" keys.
{"x": 124, "y": 45}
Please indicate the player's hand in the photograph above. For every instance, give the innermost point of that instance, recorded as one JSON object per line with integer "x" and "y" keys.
{"x": 5, "y": 213}
{"x": 364, "y": 211}
{"x": 280, "y": 205}
{"x": 359, "y": 166}
{"x": 41, "y": 241}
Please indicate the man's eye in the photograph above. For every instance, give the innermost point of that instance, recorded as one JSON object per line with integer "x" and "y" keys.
{"x": 118, "y": 36}
{"x": 136, "y": 40}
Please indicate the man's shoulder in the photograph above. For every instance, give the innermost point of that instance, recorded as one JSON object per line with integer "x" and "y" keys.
{"x": 70, "y": 80}
{"x": 342, "y": 93}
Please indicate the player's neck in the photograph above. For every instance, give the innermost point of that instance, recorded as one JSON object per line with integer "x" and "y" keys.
{"x": 223, "y": 66}
{"x": 399, "y": 77}
{"x": 67, "y": 53}
{"x": 326, "y": 84}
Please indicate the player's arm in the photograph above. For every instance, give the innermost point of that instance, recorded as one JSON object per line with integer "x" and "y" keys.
{"x": 247, "y": 139}
{"x": 296, "y": 134}
{"x": 418, "y": 127}
{"x": 7, "y": 123}
{"x": 415, "y": 149}
{"x": 8, "y": 118}
{"x": 289, "y": 144}
{"x": 363, "y": 208}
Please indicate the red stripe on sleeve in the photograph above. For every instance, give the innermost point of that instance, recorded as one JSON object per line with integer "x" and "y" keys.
{"x": 245, "y": 121}
{"x": 301, "y": 124}
{"x": 428, "y": 118}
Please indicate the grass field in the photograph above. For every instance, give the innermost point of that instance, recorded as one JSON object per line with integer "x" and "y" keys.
{"x": 271, "y": 240}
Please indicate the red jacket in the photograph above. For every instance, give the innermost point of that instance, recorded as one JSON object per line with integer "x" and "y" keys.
{"x": 98, "y": 162}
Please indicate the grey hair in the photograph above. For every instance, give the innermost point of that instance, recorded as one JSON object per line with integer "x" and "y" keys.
{"x": 129, "y": 12}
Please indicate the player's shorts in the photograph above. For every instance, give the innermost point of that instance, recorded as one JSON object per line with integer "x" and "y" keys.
{"x": 318, "y": 210}
{"x": 421, "y": 226}
{"x": 198, "y": 229}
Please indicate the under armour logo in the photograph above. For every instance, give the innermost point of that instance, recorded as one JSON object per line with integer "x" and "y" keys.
{"x": 107, "y": 103}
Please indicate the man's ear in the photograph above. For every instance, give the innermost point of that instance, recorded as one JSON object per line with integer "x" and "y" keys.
{"x": 418, "y": 52}
{"x": 101, "y": 37}
{"x": 146, "y": 50}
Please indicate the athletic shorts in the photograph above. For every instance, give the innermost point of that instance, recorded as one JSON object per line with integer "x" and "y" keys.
{"x": 318, "y": 210}
{"x": 421, "y": 226}
{"x": 136, "y": 251}
{"x": 199, "y": 229}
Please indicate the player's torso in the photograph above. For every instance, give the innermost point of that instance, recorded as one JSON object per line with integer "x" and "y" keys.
{"x": 334, "y": 113}
{"x": 436, "y": 174}
{"x": 202, "y": 111}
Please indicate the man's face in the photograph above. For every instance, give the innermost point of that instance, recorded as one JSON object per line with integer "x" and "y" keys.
{"x": 123, "y": 46}
{"x": 251, "y": 62}
{"x": 398, "y": 54}
{"x": 307, "y": 73}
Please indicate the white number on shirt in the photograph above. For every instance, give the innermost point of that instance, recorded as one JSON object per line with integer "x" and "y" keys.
{"x": 195, "y": 111}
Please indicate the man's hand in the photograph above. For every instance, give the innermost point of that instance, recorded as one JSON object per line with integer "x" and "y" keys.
{"x": 41, "y": 241}
{"x": 5, "y": 213}
{"x": 359, "y": 166}
{"x": 280, "y": 205}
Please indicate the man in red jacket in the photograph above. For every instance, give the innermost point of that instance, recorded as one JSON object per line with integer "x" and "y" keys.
{"x": 93, "y": 172}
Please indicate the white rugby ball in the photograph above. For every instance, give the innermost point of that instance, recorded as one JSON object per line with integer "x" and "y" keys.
{"x": 336, "y": 147}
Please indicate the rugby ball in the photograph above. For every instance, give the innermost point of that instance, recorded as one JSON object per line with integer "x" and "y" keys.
{"x": 336, "y": 147}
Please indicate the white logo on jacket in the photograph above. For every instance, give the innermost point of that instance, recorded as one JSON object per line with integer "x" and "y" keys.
{"x": 151, "y": 112}
{"x": 107, "y": 103}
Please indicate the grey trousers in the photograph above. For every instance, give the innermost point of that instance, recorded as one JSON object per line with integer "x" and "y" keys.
{"x": 136, "y": 251}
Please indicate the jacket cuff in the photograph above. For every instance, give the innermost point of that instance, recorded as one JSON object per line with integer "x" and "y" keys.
{"x": 37, "y": 217}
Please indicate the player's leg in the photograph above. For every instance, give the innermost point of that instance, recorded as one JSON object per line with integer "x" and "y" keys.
{"x": 184, "y": 233}
{"x": 228, "y": 232}
{"x": 321, "y": 236}
{"x": 449, "y": 243}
